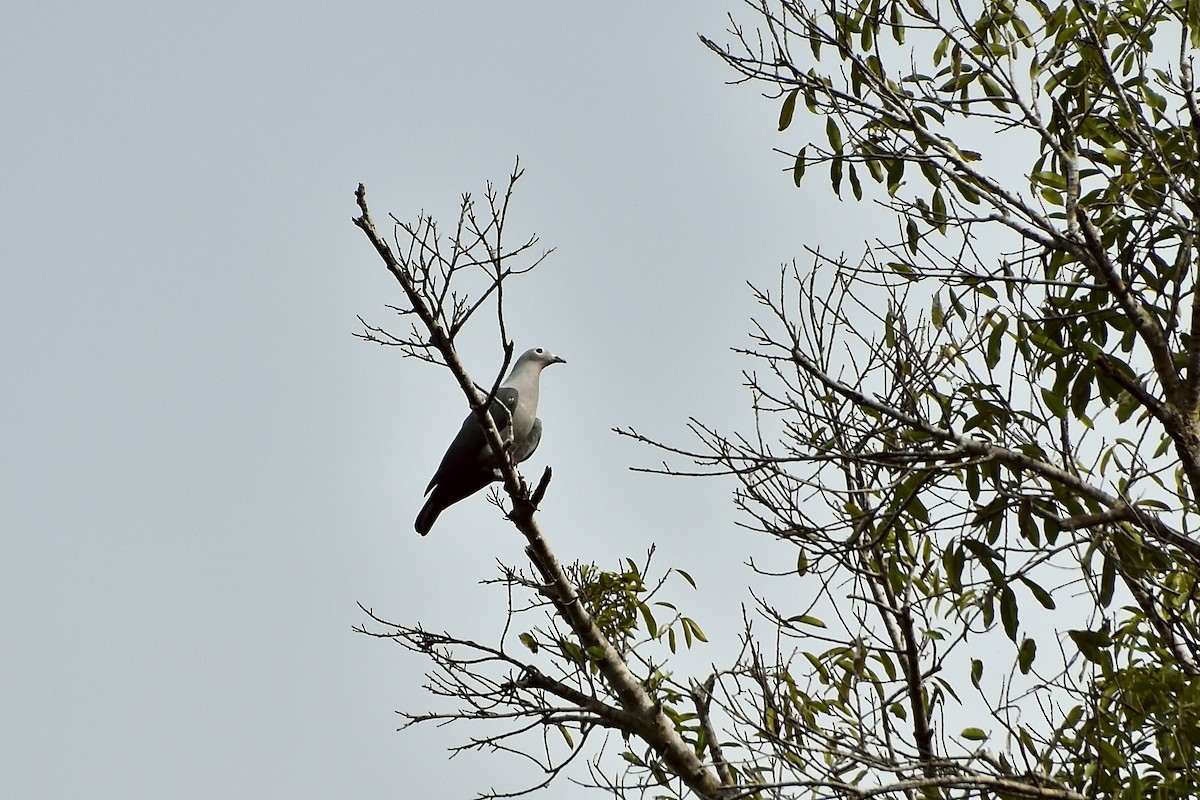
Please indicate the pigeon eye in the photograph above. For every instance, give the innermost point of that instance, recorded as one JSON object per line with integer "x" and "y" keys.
{"x": 539, "y": 351}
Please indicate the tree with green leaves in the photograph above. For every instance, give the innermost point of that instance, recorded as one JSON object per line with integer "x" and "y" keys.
{"x": 980, "y": 441}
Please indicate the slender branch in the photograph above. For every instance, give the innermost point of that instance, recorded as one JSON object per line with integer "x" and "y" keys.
{"x": 701, "y": 694}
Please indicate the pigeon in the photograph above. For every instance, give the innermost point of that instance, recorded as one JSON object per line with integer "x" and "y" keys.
{"x": 469, "y": 465}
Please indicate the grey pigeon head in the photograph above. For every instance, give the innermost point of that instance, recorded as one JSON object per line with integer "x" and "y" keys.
{"x": 540, "y": 356}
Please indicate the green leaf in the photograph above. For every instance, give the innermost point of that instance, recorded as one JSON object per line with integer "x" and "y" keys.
{"x": 1055, "y": 402}
{"x": 1026, "y": 523}
{"x": 895, "y": 174}
{"x": 805, "y": 619}
{"x": 1039, "y": 593}
{"x": 939, "y": 210}
{"x": 971, "y": 480}
{"x": 966, "y": 191}
{"x": 1026, "y": 655}
{"x": 648, "y": 618}
{"x": 995, "y": 342}
{"x": 920, "y": 11}
{"x": 890, "y": 668}
{"x": 834, "y": 134}
{"x": 916, "y": 508}
{"x": 1024, "y": 35}
{"x": 1009, "y": 612}
{"x": 1081, "y": 391}
{"x": 1092, "y": 644}
{"x": 800, "y": 165}
{"x": 1155, "y": 100}
{"x": 1050, "y": 530}
{"x": 897, "y": 24}
{"x": 1051, "y": 179}
{"x": 1115, "y": 157}
{"x": 974, "y": 734}
{"x": 939, "y": 52}
{"x": 994, "y": 91}
{"x": 930, "y": 171}
{"x": 976, "y": 672}
{"x": 1110, "y": 755}
{"x": 983, "y": 553}
{"x": 789, "y": 108}
{"x": 1108, "y": 581}
{"x": 875, "y": 167}
{"x": 953, "y": 560}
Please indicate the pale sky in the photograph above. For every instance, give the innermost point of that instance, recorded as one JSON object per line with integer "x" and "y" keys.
{"x": 203, "y": 471}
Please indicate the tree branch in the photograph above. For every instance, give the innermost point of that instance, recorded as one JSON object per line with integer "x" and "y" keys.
{"x": 642, "y": 713}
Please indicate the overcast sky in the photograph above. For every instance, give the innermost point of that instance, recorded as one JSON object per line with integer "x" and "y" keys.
{"x": 203, "y": 471}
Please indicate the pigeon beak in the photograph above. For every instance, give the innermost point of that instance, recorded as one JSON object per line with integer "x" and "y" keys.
{"x": 558, "y": 360}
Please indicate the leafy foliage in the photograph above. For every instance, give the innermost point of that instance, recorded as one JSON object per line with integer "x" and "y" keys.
{"x": 997, "y": 414}
{"x": 979, "y": 443}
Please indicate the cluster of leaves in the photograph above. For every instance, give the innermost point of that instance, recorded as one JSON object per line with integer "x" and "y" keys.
{"x": 622, "y": 605}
